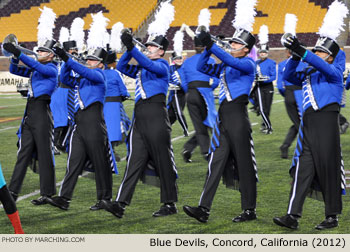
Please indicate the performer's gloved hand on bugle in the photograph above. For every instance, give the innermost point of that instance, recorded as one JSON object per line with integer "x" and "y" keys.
{"x": 294, "y": 45}
{"x": 206, "y": 40}
{"x": 11, "y": 48}
{"x": 61, "y": 53}
{"x": 127, "y": 40}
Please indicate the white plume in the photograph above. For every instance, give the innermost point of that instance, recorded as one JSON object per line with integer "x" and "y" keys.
{"x": 163, "y": 18}
{"x": 263, "y": 35}
{"x": 106, "y": 38}
{"x": 334, "y": 20}
{"x": 204, "y": 18}
{"x": 64, "y": 35}
{"x": 97, "y": 32}
{"x": 77, "y": 32}
{"x": 245, "y": 13}
{"x": 178, "y": 39}
{"x": 46, "y": 25}
{"x": 290, "y": 24}
{"x": 116, "y": 43}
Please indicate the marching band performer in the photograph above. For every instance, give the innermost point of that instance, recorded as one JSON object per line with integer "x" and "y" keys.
{"x": 149, "y": 137}
{"x": 317, "y": 167}
{"x": 177, "y": 97}
{"x": 200, "y": 97}
{"x": 265, "y": 68}
{"x": 117, "y": 121}
{"x": 232, "y": 150}
{"x": 293, "y": 96}
{"x": 88, "y": 140}
{"x": 36, "y": 130}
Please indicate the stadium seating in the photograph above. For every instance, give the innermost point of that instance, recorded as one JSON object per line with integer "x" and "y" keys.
{"x": 21, "y": 17}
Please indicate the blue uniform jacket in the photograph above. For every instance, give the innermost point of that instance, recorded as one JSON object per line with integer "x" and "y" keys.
{"x": 154, "y": 73}
{"x": 326, "y": 82}
{"x": 281, "y": 84}
{"x": 239, "y": 72}
{"x": 91, "y": 83}
{"x": 115, "y": 83}
{"x": 43, "y": 76}
{"x": 191, "y": 73}
{"x": 268, "y": 68}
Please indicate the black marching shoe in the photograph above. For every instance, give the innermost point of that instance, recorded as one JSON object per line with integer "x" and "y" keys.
{"x": 42, "y": 200}
{"x": 329, "y": 222}
{"x": 284, "y": 151}
{"x": 186, "y": 155}
{"x": 59, "y": 202}
{"x": 247, "y": 215}
{"x": 97, "y": 206}
{"x": 114, "y": 207}
{"x": 288, "y": 221}
{"x": 165, "y": 210}
{"x": 13, "y": 195}
{"x": 201, "y": 214}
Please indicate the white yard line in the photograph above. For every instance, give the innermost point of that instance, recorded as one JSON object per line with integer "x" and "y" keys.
{"x": 4, "y": 129}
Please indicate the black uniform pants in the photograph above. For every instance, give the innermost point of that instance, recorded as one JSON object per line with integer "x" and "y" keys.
{"x": 265, "y": 96}
{"x": 7, "y": 200}
{"x": 176, "y": 108}
{"x": 293, "y": 113}
{"x": 320, "y": 159}
{"x": 235, "y": 142}
{"x": 36, "y": 135}
{"x": 89, "y": 141}
{"x": 149, "y": 139}
{"x": 197, "y": 109}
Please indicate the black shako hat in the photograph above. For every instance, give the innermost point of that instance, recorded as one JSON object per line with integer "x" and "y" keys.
{"x": 327, "y": 45}
{"x": 111, "y": 57}
{"x": 99, "y": 54}
{"x": 70, "y": 45}
{"x": 243, "y": 37}
{"x": 159, "y": 41}
{"x": 47, "y": 47}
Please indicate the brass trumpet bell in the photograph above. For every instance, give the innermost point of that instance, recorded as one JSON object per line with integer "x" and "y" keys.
{"x": 11, "y": 38}
{"x": 284, "y": 38}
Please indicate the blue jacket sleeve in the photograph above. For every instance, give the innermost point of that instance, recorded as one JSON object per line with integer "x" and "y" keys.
{"x": 279, "y": 80}
{"x": 272, "y": 72}
{"x": 19, "y": 70}
{"x": 347, "y": 84}
{"x": 125, "y": 68}
{"x": 329, "y": 70}
{"x": 153, "y": 66}
{"x": 290, "y": 75}
{"x": 47, "y": 70}
{"x": 215, "y": 83}
{"x": 122, "y": 88}
{"x": 245, "y": 66}
{"x": 213, "y": 70}
{"x": 66, "y": 77}
{"x": 92, "y": 75}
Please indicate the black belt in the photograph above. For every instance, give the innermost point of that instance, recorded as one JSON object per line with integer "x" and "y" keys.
{"x": 263, "y": 84}
{"x": 197, "y": 84}
{"x": 64, "y": 86}
{"x": 113, "y": 99}
{"x": 44, "y": 97}
{"x": 330, "y": 107}
{"x": 240, "y": 99}
{"x": 155, "y": 98}
{"x": 293, "y": 87}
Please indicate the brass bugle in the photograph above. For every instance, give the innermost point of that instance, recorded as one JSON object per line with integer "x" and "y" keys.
{"x": 285, "y": 37}
{"x": 11, "y": 38}
{"x": 58, "y": 44}
{"x": 221, "y": 43}
{"x": 143, "y": 47}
